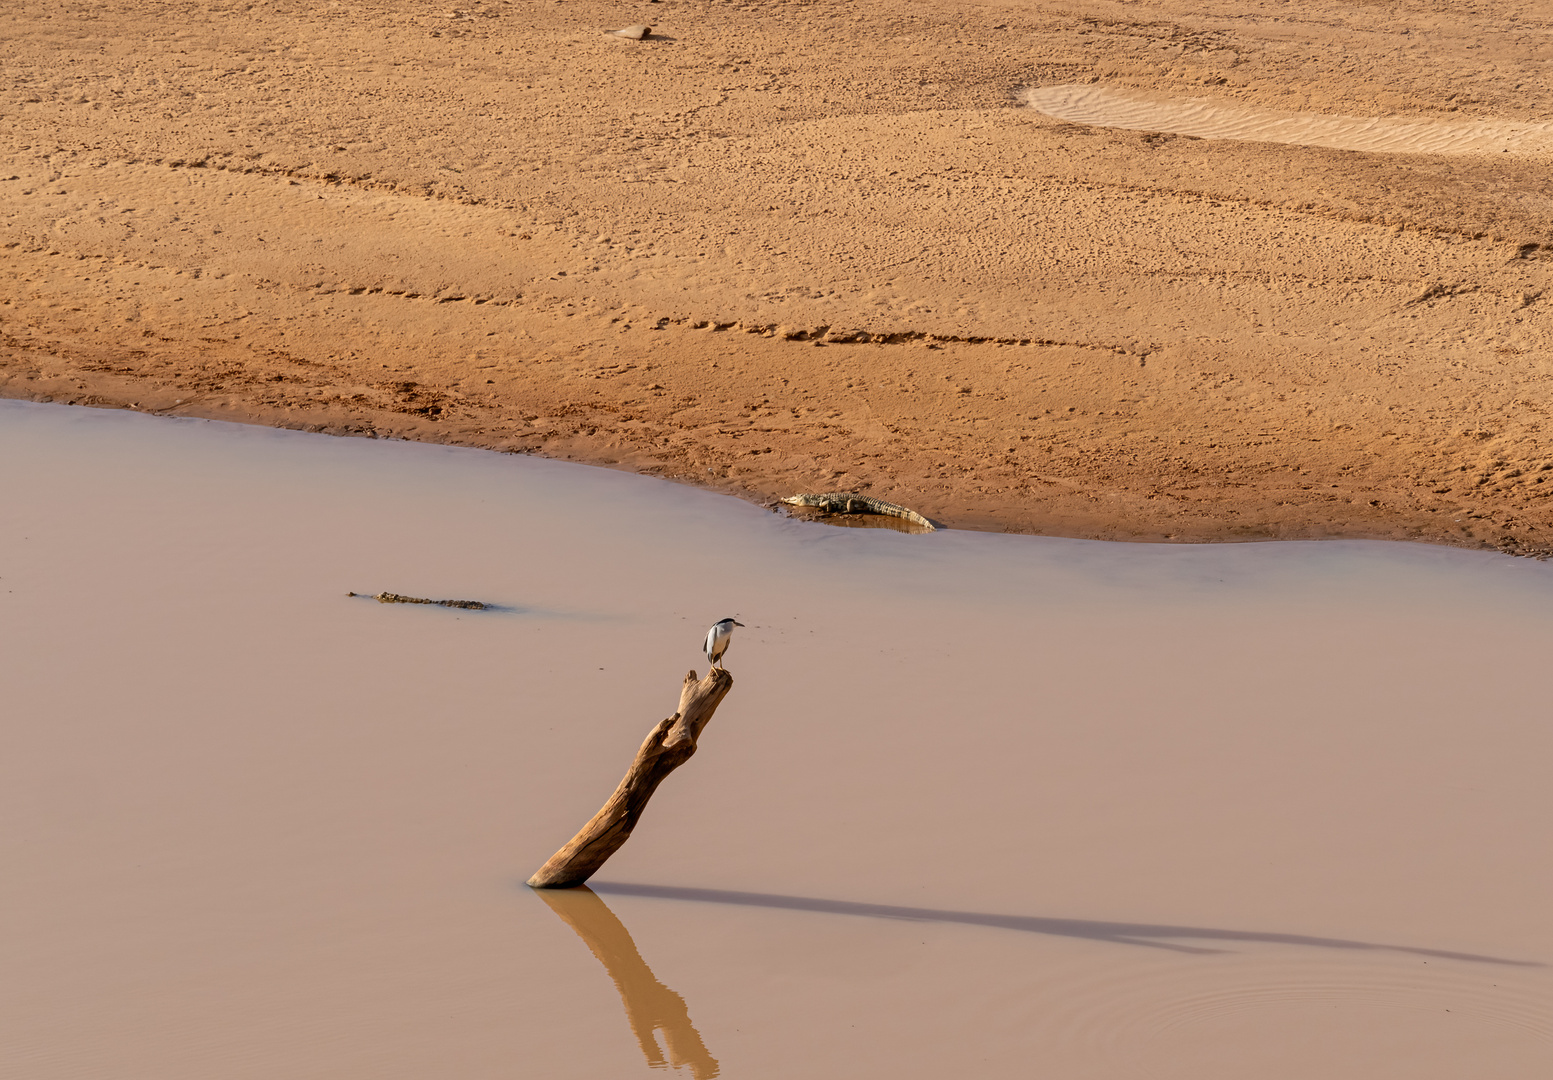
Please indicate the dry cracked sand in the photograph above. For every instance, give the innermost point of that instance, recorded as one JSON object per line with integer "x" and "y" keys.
{"x": 1021, "y": 266}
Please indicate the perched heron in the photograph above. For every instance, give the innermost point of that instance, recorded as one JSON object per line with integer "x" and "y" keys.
{"x": 717, "y": 639}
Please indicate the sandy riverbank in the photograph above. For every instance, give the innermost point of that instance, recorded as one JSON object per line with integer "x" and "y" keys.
{"x": 789, "y": 246}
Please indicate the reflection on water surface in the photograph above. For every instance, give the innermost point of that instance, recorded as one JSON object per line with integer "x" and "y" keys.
{"x": 650, "y": 1006}
{"x": 860, "y": 521}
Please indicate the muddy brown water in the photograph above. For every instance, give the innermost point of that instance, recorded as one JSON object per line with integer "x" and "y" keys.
{"x": 977, "y": 804}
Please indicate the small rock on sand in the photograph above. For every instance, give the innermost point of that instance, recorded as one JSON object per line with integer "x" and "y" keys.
{"x": 840, "y": 335}
{"x": 635, "y": 33}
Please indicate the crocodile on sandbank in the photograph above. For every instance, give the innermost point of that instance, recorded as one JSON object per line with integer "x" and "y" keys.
{"x": 842, "y": 502}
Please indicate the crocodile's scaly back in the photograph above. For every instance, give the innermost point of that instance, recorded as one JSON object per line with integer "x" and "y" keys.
{"x": 844, "y": 502}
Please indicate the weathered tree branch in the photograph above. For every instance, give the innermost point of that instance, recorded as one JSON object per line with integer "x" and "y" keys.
{"x": 668, "y": 746}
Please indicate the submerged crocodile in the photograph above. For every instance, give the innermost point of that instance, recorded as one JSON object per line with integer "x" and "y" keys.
{"x": 841, "y": 502}
{"x": 395, "y": 598}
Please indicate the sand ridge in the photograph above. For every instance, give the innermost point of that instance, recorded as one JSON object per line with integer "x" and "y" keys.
{"x": 810, "y": 246}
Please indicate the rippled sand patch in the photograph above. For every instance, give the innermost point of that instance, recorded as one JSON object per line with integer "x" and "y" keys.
{"x": 1206, "y": 119}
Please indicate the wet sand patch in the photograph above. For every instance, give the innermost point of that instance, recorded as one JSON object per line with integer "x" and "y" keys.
{"x": 1204, "y": 118}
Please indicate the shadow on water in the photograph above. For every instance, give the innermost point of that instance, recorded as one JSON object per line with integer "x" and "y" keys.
{"x": 650, "y": 1006}
{"x": 546, "y": 613}
{"x": 486, "y": 607}
{"x": 1150, "y": 935}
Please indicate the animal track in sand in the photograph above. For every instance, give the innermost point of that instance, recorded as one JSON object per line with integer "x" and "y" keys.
{"x": 1205, "y": 119}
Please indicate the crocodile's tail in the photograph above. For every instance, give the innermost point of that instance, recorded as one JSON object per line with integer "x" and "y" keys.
{"x": 879, "y": 506}
{"x": 909, "y": 515}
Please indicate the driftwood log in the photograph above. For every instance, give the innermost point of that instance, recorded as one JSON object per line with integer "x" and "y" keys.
{"x": 666, "y": 748}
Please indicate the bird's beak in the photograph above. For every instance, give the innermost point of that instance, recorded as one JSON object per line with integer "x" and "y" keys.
{"x": 738, "y": 624}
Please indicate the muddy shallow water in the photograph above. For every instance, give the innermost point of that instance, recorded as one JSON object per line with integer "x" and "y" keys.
{"x": 977, "y": 804}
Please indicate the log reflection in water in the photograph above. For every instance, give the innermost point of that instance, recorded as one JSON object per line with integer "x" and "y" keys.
{"x": 650, "y": 1006}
